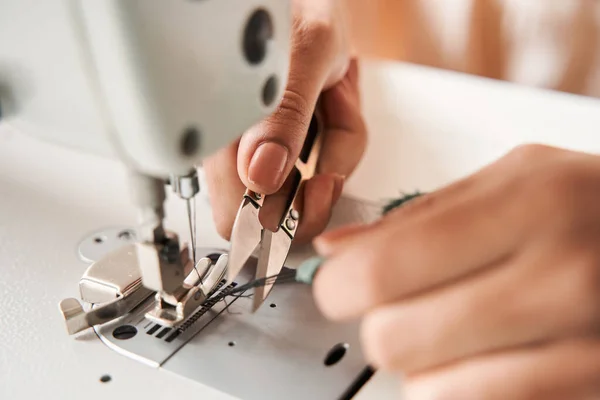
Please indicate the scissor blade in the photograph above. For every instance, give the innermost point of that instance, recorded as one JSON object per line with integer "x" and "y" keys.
{"x": 245, "y": 237}
{"x": 274, "y": 249}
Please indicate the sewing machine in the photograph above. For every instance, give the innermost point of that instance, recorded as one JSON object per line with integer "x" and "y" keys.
{"x": 56, "y": 202}
{"x": 145, "y": 82}
{"x": 159, "y": 85}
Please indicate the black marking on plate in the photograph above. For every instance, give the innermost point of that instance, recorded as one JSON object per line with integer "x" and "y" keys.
{"x": 205, "y": 307}
{"x": 162, "y": 333}
{"x": 358, "y": 383}
{"x": 173, "y": 336}
{"x": 152, "y": 330}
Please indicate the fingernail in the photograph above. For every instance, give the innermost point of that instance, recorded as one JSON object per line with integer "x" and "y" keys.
{"x": 306, "y": 272}
{"x": 338, "y": 187}
{"x": 326, "y": 243}
{"x": 341, "y": 232}
{"x": 267, "y": 166}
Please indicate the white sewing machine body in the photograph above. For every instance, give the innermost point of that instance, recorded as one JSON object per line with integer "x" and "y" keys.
{"x": 158, "y": 84}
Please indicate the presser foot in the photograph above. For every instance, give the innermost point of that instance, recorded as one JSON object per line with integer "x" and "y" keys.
{"x": 172, "y": 310}
{"x": 113, "y": 287}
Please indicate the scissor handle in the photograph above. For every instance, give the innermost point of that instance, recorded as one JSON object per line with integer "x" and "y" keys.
{"x": 306, "y": 167}
{"x": 309, "y": 155}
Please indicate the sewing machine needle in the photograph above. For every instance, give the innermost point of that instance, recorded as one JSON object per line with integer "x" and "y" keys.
{"x": 194, "y": 225}
{"x": 191, "y": 223}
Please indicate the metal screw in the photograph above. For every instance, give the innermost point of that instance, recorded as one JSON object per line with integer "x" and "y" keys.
{"x": 257, "y": 196}
{"x": 294, "y": 214}
{"x": 290, "y": 224}
{"x": 124, "y": 332}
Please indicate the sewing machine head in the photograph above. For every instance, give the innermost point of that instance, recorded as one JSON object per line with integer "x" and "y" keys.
{"x": 159, "y": 85}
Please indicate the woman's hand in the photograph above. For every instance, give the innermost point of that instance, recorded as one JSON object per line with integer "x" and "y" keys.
{"x": 486, "y": 289}
{"x": 265, "y": 155}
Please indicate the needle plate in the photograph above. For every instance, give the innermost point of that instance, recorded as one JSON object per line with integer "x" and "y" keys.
{"x": 283, "y": 351}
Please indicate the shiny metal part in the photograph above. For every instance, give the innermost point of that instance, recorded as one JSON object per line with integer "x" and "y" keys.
{"x": 78, "y": 320}
{"x": 149, "y": 195}
{"x": 173, "y": 309}
{"x": 294, "y": 214}
{"x": 163, "y": 265}
{"x": 122, "y": 279}
{"x": 248, "y": 232}
{"x": 275, "y": 353}
{"x": 113, "y": 283}
{"x": 115, "y": 275}
{"x": 290, "y": 224}
{"x": 99, "y": 243}
{"x": 200, "y": 269}
{"x": 185, "y": 186}
{"x": 192, "y": 279}
{"x": 274, "y": 248}
{"x": 214, "y": 275}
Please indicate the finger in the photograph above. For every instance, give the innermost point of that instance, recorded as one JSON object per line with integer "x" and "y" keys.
{"x": 483, "y": 184}
{"x": 334, "y": 241}
{"x": 321, "y": 193}
{"x": 435, "y": 239}
{"x": 554, "y": 371}
{"x": 344, "y": 140}
{"x": 224, "y": 188}
{"x": 322, "y": 26}
{"x": 338, "y": 235}
{"x": 496, "y": 309}
{"x": 345, "y": 133}
{"x": 269, "y": 150}
{"x": 442, "y": 199}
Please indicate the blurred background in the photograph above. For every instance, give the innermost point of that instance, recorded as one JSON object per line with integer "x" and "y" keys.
{"x": 554, "y": 44}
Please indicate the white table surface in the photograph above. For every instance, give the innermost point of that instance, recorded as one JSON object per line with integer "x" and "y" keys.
{"x": 428, "y": 127}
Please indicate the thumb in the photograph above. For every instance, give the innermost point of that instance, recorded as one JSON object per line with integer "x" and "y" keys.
{"x": 268, "y": 151}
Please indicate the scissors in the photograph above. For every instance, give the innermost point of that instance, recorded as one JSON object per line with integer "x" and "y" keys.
{"x": 248, "y": 232}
